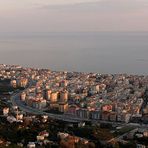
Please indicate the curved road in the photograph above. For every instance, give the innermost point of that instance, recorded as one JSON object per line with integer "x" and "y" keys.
{"x": 15, "y": 99}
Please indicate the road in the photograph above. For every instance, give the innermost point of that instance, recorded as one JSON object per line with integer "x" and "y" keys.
{"x": 15, "y": 99}
{"x": 120, "y": 137}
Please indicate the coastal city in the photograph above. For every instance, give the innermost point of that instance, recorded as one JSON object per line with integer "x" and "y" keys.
{"x": 86, "y": 109}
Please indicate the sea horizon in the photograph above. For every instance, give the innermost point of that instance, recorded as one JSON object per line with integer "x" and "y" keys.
{"x": 101, "y": 52}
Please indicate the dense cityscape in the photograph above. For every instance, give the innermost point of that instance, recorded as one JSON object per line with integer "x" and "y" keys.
{"x": 73, "y": 74}
{"x": 44, "y": 108}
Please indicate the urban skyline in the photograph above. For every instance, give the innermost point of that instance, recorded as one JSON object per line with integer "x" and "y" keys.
{"x": 74, "y": 73}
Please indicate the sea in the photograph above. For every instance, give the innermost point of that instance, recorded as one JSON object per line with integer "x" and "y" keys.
{"x": 101, "y": 52}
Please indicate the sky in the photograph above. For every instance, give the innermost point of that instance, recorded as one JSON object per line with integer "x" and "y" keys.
{"x": 73, "y": 15}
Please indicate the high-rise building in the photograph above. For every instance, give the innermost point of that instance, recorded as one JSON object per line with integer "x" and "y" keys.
{"x": 95, "y": 115}
{"x": 64, "y": 83}
{"x": 23, "y": 96}
{"x": 13, "y": 83}
{"x": 63, "y": 107}
{"x": 48, "y": 94}
{"x": 113, "y": 116}
{"x": 83, "y": 113}
{"x": 63, "y": 96}
{"x": 54, "y": 97}
{"x": 22, "y": 82}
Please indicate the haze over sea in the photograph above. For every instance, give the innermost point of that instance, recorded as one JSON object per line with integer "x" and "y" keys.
{"x": 102, "y": 52}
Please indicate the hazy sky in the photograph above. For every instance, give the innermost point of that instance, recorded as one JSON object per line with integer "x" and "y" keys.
{"x": 73, "y": 15}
